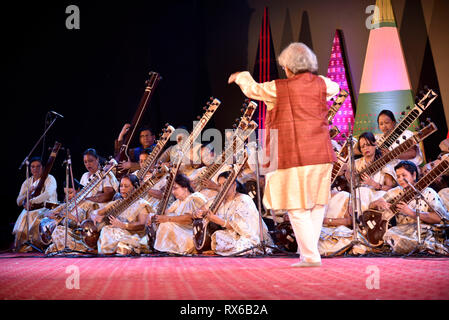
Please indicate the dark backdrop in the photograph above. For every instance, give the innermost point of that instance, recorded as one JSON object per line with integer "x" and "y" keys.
{"x": 95, "y": 76}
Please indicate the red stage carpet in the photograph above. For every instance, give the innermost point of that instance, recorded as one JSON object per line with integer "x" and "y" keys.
{"x": 219, "y": 278}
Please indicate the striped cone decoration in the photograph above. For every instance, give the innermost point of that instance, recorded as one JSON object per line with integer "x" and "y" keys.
{"x": 265, "y": 68}
{"x": 385, "y": 81}
{"x": 338, "y": 71}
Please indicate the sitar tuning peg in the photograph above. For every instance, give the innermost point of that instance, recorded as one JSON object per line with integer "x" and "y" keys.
{"x": 211, "y": 98}
{"x": 246, "y": 100}
{"x": 198, "y": 117}
{"x": 234, "y": 126}
{"x": 242, "y": 110}
{"x": 167, "y": 125}
{"x": 408, "y": 108}
{"x": 426, "y": 87}
{"x": 208, "y": 103}
{"x": 403, "y": 113}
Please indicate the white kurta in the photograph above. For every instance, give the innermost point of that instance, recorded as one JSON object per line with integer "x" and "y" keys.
{"x": 174, "y": 237}
{"x": 367, "y": 193}
{"x": 48, "y": 194}
{"x": 109, "y": 181}
{"x": 242, "y": 215}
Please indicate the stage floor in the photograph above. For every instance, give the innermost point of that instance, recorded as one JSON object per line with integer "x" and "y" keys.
{"x": 34, "y": 276}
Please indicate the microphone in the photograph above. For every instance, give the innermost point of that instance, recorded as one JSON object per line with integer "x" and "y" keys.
{"x": 67, "y": 161}
{"x": 69, "y": 158}
{"x": 57, "y": 114}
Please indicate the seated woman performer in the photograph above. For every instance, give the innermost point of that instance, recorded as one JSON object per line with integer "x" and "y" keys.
{"x": 147, "y": 141}
{"x": 239, "y": 218}
{"x": 48, "y": 194}
{"x": 108, "y": 186}
{"x": 371, "y": 187}
{"x": 74, "y": 240}
{"x": 403, "y": 237}
{"x": 387, "y": 122}
{"x": 206, "y": 158}
{"x": 171, "y": 154}
{"x": 123, "y": 234}
{"x": 337, "y": 231}
{"x": 175, "y": 231}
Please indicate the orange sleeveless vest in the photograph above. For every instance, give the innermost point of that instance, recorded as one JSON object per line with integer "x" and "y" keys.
{"x": 300, "y": 116}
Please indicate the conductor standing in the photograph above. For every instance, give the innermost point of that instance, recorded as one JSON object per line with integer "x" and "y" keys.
{"x": 297, "y": 127}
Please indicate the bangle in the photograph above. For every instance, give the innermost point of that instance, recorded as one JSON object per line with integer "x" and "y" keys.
{"x": 330, "y": 220}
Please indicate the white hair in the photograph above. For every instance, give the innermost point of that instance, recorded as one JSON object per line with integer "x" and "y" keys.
{"x": 298, "y": 57}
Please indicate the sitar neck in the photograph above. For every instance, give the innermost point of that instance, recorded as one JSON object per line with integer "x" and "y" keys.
{"x": 409, "y": 194}
{"x": 219, "y": 198}
{"x": 47, "y": 169}
{"x": 162, "y": 206}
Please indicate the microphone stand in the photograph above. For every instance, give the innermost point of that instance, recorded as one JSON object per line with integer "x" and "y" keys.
{"x": 418, "y": 196}
{"x": 354, "y": 200}
{"x": 26, "y": 162}
{"x": 68, "y": 172}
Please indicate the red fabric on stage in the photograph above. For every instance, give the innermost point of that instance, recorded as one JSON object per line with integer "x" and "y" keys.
{"x": 220, "y": 278}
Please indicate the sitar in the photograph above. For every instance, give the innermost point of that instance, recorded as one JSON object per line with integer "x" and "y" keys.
{"x": 377, "y": 165}
{"x": 342, "y": 159}
{"x": 336, "y": 105}
{"x": 387, "y": 141}
{"x": 91, "y": 231}
{"x": 48, "y": 225}
{"x": 123, "y": 154}
{"x": 186, "y": 146}
{"x": 156, "y": 152}
{"x": 243, "y": 131}
{"x": 338, "y": 102}
{"x": 38, "y": 190}
{"x": 375, "y": 223}
{"x": 150, "y": 230}
{"x": 202, "y": 227}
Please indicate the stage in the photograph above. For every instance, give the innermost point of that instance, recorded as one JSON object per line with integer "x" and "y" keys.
{"x": 32, "y": 276}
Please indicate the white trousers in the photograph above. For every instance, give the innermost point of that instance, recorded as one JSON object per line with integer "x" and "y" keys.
{"x": 307, "y": 227}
